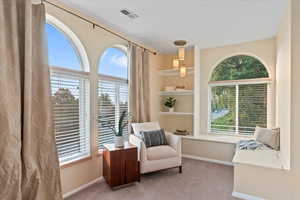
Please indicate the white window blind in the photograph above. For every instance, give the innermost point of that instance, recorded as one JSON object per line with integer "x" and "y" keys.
{"x": 238, "y": 108}
{"x": 70, "y": 99}
{"x": 112, "y": 100}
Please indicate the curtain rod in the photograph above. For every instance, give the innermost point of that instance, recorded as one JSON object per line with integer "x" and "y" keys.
{"x": 96, "y": 25}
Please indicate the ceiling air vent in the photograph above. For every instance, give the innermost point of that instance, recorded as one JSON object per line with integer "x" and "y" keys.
{"x": 129, "y": 14}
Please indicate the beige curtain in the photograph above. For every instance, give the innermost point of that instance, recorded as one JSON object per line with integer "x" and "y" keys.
{"x": 29, "y": 168}
{"x": 139, "y": 91}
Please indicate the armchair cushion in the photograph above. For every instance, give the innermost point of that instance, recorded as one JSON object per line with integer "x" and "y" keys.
{"x": 161, "y": 152}
{"x": 154, "y": 138}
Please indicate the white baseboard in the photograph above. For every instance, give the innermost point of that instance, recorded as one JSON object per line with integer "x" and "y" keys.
{"x": 98, "y": 180}
{"x": 208, "y": 160}
{"x": 246, "y": 196}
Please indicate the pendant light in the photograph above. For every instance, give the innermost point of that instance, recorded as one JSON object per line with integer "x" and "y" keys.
{"x": 179, "y": 62}
{"x": 182, "y": 71}
{"x": 181, "y": 53}
{"x": 176, "y": 64}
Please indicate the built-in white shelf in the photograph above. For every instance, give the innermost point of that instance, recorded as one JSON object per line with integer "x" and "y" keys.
{"x": 175, "y": 72}
{"x": 177, "y": 113}
{"x": 177, "y": 93}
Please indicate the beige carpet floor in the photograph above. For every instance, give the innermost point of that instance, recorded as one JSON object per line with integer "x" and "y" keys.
{"x": 199, "y": 181}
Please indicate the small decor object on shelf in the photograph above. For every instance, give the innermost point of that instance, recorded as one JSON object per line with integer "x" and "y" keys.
{"x": 181, "y": 132}
{"x": 180, "y": 88}
{"x": 170, "y": 103}
{"x": 118, "y": 131}
{"x": 170, "y": 88}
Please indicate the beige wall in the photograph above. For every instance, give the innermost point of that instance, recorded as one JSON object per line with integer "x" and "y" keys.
{"x": 295, "y": 99}
{"x": 74, "y": 176}
{"x": 95, "y": 42}
{"x": 155, "y": 84}
{"x": 208, "y": 149}
{"x": 266, "y": 183}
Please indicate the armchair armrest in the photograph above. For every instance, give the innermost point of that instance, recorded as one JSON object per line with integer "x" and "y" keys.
{"x": 174, "y": 141}
{"x": 140, "y": 145}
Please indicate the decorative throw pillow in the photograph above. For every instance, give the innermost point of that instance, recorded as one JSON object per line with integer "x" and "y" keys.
{"x": 270, "y": 137}
{"x": 154, "y": 138}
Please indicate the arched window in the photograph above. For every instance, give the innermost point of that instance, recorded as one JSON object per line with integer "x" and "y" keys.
{"x": 239, "y": 90}
{"x": 70, "y": 91}
{"x": 61, "y": 51}
{"x": 112, "y": 92}
{"x": 114, "y": 63}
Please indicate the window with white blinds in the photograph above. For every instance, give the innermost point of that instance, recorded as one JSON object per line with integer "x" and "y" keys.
{"x": 112, "y": 100}
{"x": 238, "y": 108}
{"x": 70, "y": 99}
{"x": 239, "y": 96}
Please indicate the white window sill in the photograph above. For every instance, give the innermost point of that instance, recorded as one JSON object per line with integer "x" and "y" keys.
{"x": 218, "y": 138}
{"x": 260, "y": 158}
{"x": 74, "y": 161}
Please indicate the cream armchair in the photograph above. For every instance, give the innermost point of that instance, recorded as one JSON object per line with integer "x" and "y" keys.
{"x": 158, "y": 157}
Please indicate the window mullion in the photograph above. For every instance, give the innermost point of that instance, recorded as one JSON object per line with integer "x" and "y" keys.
{"x": 236, "y": 109}
{"x": 209, "y": 109}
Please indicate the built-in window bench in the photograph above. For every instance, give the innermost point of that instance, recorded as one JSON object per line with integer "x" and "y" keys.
{"x": 210, "y": 147}
{"x": 260, "y": 158}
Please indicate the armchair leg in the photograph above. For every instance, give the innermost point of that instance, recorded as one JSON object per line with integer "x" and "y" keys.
{"x": 180, "y": 169}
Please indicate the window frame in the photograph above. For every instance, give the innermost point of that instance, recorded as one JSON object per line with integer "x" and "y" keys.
{"x": 74, "y": 41}
{"x": 236, "y": 83}
{"x": 117, "y": 80}
{"x": 59, "y": 71}
{"x": 83, "y": 73}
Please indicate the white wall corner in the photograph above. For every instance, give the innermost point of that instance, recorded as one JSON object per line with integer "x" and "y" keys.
{"x": 196, "y": 123}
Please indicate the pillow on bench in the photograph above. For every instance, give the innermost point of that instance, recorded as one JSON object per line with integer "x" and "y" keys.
{"x": 154, "y": 138}
{"x": 251, "y": 145}
{"x": 270, "y": 137}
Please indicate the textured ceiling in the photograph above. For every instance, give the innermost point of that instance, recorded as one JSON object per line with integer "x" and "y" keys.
{"x": 206, "y": 23}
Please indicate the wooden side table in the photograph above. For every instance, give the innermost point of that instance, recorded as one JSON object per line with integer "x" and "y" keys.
{"x": 120, "y": 165}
